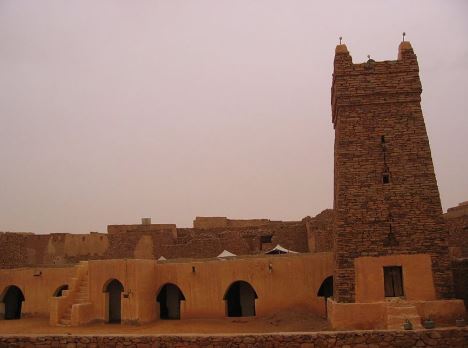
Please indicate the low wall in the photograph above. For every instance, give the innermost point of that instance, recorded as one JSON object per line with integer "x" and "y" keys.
{"x": 453, "y": 337}
{"x": 370, "y": 316}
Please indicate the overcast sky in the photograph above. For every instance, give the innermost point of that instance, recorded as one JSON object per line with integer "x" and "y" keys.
{"x": 115, "y": 110}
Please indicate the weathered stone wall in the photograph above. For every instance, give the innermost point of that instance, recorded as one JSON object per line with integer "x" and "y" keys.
{"x": 379, "y": 128}
{"x": 22, "y": 249}
{"x": 320, "y": 231}
{"x": 203, "y": 222}
{"x": 438, "y": 338}
{"x": 456, "y": 219}
{"x": 460, "y": 279}
{"x": 152, "y": 241}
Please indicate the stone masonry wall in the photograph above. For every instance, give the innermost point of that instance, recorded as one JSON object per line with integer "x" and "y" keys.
{"x": 152, "y": 241}
{"x": 438, "y": 338}
{"x": 460, "y": 279}
{"x": 320, "y": 231}
{"x": 379, "y": 128}
{"x": 456, "y": 219}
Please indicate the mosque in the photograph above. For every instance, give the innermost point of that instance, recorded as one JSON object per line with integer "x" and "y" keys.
{"x": 384, "y": 254}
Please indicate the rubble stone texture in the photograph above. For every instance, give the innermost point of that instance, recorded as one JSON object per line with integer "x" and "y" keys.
{"x": 380, "y": 130}
{"x": 439, "y": 338}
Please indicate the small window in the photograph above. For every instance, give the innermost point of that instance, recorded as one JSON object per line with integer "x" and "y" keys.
{"x": 266, "y": 239}
{"x": 393, "y": 281}
{"x": 382, "y": 139}
{"x": 386, "y": 178}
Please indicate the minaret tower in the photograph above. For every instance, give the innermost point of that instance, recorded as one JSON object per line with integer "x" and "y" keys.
{"x": 389, "y": 233}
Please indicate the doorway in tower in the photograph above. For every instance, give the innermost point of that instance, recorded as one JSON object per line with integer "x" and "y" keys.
{"x": 113, "y": 290}
{"x": 11, "y": 301}
{"x": 169, "y": 298}
{"x": 393, "y": 281}
{"x": 240, "y": 300}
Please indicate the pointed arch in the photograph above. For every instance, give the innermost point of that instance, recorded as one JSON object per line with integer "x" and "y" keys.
{"x": 59, "y": 291}
{"x": 113, "y": 289}
{"x": 326, "y": 288}
{"x": 169, "y": 297}
{"x": 326, "y": 291}
{"x": 240, "y": 299}
{"x": 12, "y": 298}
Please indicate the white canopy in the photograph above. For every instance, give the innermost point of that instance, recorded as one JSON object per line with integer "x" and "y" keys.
{"x": 162, "y": 258}
{"x": 278, "y": 249}
{"x": 226, "y": 253}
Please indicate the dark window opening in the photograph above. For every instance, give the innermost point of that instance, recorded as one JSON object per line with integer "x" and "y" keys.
{"x": 13, "y": 300}
{"x": 382, "y": 139}
{"x": 240, "y": 300}
{"x": 386, "y": 178}
{"x": 393, "y": 281}
{"x": 266, "y": 239}
{"x": 169, "y": 298}
{"x": 114, "y": 298}
{"x": 59, "y": 291}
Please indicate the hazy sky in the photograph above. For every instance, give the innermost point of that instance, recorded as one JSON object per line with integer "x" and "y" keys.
{"x": 115, "y": 110}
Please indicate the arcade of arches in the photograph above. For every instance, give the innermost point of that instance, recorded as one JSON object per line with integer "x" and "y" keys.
{"x": 142, "y": 291}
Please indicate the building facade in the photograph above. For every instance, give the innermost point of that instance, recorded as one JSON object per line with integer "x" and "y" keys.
{"x": 382, "y": 255}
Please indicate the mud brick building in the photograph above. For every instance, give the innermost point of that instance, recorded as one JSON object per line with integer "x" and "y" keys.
{"x": 384, "y": 253}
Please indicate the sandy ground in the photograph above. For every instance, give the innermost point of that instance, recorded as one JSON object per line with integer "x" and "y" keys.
{"x": 282, "y": 322}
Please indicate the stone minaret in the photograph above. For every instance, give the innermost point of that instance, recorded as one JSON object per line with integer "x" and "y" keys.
{"x": 386, "y": 198}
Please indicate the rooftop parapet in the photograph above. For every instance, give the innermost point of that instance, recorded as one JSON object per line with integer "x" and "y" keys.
{"x": 374, "y": 82}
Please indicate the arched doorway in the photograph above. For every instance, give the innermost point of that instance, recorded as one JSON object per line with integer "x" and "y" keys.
{"x": 12, "y": 300}
{"x": 59, "y": 291}
{"x": 240, "y": 300}
{"x": 326, "y": 291}
{"x": 169, "y": 298}
{"x": 114, "y": 290}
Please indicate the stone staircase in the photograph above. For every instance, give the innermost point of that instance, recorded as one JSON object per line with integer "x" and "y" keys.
{"x": 398, "y": 312}
{"x": 78, "y": 293}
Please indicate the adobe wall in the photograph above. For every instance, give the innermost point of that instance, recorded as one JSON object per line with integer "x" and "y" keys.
{"x": 38, "y": 286}
{"x": 204, "y": 286}
{"x": 374, "y": 315}
{"x": 437, "y": 338}
{"x": 418, "y": 282}
{"x": 372, "y": 218}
